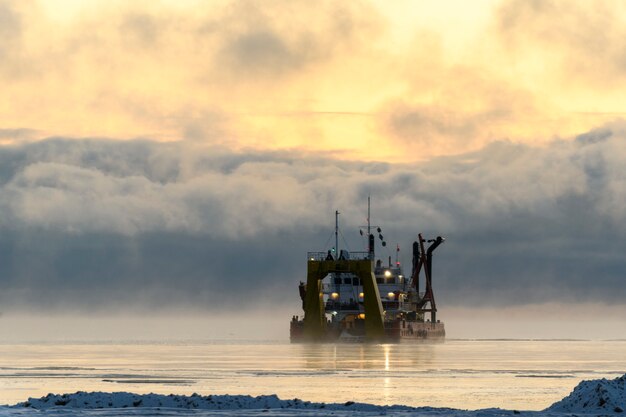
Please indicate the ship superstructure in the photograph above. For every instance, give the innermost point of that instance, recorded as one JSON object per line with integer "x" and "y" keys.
{"x": 353, "y": 296}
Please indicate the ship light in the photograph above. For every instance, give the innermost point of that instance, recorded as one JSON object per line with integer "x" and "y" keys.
{"x": 387, "y": 273}
{"x": 334, "y": 295}
{"x": 360, "y": 295}
{"x": 334, "y": 313}
{"x": 390, "y": 295}
{"x": 362, "y": 315}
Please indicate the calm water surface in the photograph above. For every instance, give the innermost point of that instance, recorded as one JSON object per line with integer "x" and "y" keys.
{"x": 526, "y": 375}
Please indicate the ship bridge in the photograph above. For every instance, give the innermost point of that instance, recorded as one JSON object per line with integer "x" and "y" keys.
{"x": 359, "y": 268}
{"x": 344, "y": 292}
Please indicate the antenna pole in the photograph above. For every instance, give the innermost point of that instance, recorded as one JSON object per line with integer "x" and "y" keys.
{"x": 337, "y": 233}
{"x": 370, "y": 238}
{"x": 368, "y": 216}
{"x": 397, "y": 253}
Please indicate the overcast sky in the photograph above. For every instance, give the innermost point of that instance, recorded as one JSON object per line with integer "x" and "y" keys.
{"x": 158, "y": 156}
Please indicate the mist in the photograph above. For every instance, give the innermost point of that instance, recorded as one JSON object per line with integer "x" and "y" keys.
{"x": 270, "y": 324}
{"x": 95, "y": 226}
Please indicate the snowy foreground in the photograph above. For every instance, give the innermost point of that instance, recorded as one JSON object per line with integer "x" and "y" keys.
{"x": 596, "y": 397}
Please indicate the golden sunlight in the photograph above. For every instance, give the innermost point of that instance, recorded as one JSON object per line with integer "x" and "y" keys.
{"x": 365, "y": 80}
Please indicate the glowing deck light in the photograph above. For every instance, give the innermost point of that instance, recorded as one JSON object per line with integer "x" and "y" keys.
{"x": 360, "y": 295}
{"x": 387, "y": 273}
{"x": 390, "y": 295}
{"x": 334, "y": 295}
{"x": 362, "y": 315}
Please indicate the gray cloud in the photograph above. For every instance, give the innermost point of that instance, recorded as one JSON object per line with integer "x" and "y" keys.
{"x": 10, "y": 37}
{"x": 96, "y": 223}
{"x": 18, "y": 134}
{"x": 275, "y": 39}
{"x": 263, "y": 51}
{"x": 583, "y": 39}
{"x": 10, "y": 22}
{"x": 142, "y": 29}
{"x": 425, "y": 124}
{"x": 470, "y": 108}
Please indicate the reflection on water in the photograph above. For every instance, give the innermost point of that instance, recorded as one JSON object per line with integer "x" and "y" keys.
{"x": 386, "y": 350}
{"x": 460, "y": 374}
{"x": 362, "y": 356}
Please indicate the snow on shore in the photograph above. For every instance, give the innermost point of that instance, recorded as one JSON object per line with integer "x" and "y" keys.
{"x": 96, "y": 400}
{"x": 596, "y": 397}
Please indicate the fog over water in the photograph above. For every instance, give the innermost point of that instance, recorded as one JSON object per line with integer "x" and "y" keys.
{"x": 268, "y": 323}
{"x": 93, "y": 227}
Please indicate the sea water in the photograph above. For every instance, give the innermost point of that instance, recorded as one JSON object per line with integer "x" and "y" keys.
{"x": 464, "y": 374}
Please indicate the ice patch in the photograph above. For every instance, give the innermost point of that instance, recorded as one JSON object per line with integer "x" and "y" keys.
{"x": 597, "y": 396}
{"x": 98, "y": 400}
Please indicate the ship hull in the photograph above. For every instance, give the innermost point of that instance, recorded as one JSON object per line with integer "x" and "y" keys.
{"x": 395, "y": 332}
{"x": 407, "y": 331}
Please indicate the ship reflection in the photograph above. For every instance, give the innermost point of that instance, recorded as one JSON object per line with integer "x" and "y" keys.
{"x": 384, "y": 357}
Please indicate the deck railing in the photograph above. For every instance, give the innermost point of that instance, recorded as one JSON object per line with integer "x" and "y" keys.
{"x": 337, "y": 306}
{"x": 321, "y": 256}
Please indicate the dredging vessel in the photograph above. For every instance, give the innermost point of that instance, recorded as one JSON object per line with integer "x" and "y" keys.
{"x": 354, "y": 297}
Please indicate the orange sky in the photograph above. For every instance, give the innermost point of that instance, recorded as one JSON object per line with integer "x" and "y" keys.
{"x": 397, "y": 81}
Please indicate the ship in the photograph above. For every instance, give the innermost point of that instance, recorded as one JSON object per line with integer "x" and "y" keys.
{"x": 355, "y": 297}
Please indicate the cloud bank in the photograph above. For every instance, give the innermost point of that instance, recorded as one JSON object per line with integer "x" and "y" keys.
{"x": 363, "y": 80}
{"x": 98, "y": 224}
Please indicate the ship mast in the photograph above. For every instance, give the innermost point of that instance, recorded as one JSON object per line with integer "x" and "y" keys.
{"x": 368, "y": 216}
{"x": 336, "y": 233}
{"x": 370, "y": 237}
{"x": 370, "y": 248}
